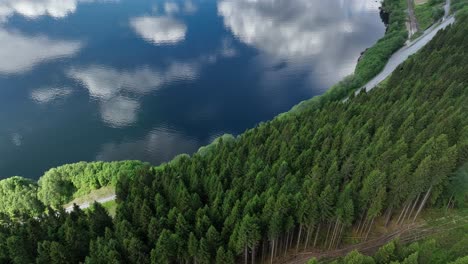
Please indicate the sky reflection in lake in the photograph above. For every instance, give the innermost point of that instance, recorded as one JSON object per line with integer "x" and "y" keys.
{"x": 139, "y": 79}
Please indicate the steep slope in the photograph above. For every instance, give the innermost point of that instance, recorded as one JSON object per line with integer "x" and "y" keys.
{"x": 306, "y": 180}
{"x": 303, "y": 180}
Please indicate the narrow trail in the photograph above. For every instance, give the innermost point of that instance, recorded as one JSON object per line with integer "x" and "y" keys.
{"x": 413, "y": 25}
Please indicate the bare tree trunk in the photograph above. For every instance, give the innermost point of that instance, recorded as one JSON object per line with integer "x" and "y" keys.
{"x": 286, "y": 244}
{"x": 414, "y": 206}
{"x": 389, "y": 215}
{"x": 253, "y": 255}
{"x": 402, "y": 212}
{"x": 450, "y": 201}
{"x": 328, "y": 234}
{"x": 339, "y": 237}
{"x": 292, "y": 238}
{"x": 299, "y": 238}
{"x": 361, "y": 222}
{"x": 422, "y": 203}
{"x": 272, "y": 250}
{"x": 316, "y": 234}
{"x": 370, "y": 227}
{"x": 246, "y": 255}
{"x": 335, "y": 229}
{"x": 363, "y": 227}
{"x": 406, "y": 212}
{"x": 278, "y": 245}
{"x": 263, "y": 251}
{"x": 307, "y": 238}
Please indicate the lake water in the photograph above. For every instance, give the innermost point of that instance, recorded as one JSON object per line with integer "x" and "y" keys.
{"x": 135, "y": 79}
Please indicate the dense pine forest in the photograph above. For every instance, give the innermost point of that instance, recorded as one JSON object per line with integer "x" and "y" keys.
{"x": 305, "y": 180}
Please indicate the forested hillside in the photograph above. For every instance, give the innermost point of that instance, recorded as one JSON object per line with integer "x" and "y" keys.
{"x": 300, "y": 181}
{"x": 306, "y": 180}
{"x": 61, "y": 185}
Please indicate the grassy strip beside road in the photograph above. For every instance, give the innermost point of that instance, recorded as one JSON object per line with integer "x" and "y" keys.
{"x": 428, "y": 13}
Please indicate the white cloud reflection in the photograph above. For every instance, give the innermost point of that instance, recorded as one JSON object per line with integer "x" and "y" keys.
{"x": 105, "y": 82}
{"x": 171, "y": 8}
{"x": 20, "y": 53}
{"x": 36, "y": 8}
{"x": 159, "y": 145}
{"x": 190, "y": 7}
{"x": 33, "y": 9}
{"x": 118, "y": 91}
{"x": 298, "y": 33}
{"x": 17, "y": 139}
{"x": 47, "y": 95}
{"x": 120, "y": 111}
{"x": 159, "y": 30}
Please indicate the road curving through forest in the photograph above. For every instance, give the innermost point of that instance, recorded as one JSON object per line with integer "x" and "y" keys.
{"x": 410, "y": 48}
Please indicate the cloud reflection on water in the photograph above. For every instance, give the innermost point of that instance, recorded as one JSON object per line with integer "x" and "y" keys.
{"x": 306, "y": 34}
{"x": 118, "y": 91}
{"x": 36, "y": 8}
{"x": 159, "y": 30}
{"x": 47, "y": 95}
{"x": 159, "y": 145}
{"x": 33, "y": 9}
{"x": 20, "y": 53}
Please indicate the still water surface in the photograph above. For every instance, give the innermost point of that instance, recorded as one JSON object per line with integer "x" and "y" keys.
{"x": 138, "y": 79}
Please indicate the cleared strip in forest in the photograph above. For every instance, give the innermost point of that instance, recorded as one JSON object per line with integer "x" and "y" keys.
{"x": 413, "y": 26}
{"x": 407, "y": 234}
{"x": 88, "y": 204}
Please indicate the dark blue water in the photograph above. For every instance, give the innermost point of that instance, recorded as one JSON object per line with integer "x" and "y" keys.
{"x": 137, "y": 79}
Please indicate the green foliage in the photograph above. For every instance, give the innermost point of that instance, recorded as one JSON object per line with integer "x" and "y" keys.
{"x": 411, "y": 259}
{"x": 429, "y": 12}
{"x": 462, "y": 260}
{"x": 56, "y": 237}
{"x": 19, "y": 196}
{"x": 459, "y": 185}
{"x": 60, "y": 185}
{"x": 460, "y": 6}
{"x": 357, "y": 258}
{"x": 385, "y": 253}
{"x": 321, "y": 169}
{"x": 374, "y": 59}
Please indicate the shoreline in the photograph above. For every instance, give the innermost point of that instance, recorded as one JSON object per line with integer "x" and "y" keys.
{"x": 384, "y": 9}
